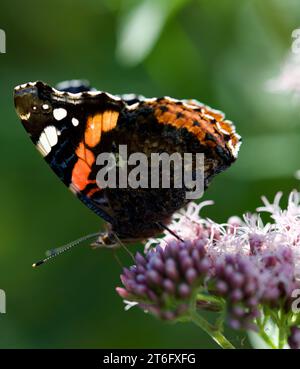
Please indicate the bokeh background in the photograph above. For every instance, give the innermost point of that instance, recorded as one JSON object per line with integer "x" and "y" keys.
{"x": 220, "y": 52}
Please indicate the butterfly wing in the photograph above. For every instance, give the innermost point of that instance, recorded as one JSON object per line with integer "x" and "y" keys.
{"x": 66, "y": 127}
{"x": 73, "y": 126}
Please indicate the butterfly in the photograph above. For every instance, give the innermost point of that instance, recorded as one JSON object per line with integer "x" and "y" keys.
{"x": 72, "y": 124}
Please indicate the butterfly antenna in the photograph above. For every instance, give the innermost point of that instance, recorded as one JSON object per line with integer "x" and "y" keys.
{"x": 170, "y": 231}
{"x": 124, "y": 246}
{"x": 60, "y": 250}
{"x": 117, "y": 258}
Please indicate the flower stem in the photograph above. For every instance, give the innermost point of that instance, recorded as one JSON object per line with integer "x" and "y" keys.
{"x": 267, "y": 339}
{"x": 211, "y": 330}
{"x": 262, "y": 333}
{"x": 282, "y": 332}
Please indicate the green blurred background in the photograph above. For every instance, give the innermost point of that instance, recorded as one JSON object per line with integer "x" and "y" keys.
{"x": 220, "y": 52}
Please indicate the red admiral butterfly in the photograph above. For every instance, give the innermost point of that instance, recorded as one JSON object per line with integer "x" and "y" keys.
{"x": 72, "y": 124}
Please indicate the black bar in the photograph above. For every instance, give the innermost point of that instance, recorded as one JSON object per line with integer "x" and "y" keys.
{"x": 131, "y": 358}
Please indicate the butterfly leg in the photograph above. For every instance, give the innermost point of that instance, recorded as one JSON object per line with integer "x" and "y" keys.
{"x": 106, "y": 241}
{"x": 110, "y": 240}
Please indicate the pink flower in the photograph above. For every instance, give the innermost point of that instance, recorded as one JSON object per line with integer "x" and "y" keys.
{"x": 288, "y": 80}
{"x": 244, "y": 266}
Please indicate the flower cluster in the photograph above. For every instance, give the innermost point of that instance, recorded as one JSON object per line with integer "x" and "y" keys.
{"x": 294, "y": 338}
{"x": 238, "y": 281}
{"x": 165, "y": 279}
{"x": 244, "y": 267}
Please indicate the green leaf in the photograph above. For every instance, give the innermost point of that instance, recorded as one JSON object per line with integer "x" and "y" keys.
{"x": 141, "y": 26}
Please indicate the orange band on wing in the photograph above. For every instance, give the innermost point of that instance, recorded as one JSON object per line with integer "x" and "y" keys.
{"x": 82, "y": 168}
{"x": 109, "y": 121}
{"x": 92, "y": 135}
{"x": 97, "y": 123}
{"x": 199, "y": 120}
{"x": 80, "y": 174}
{"x": 83, "y": 153}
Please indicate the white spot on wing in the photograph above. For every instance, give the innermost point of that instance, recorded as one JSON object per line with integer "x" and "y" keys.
{"x": 223, "y": 131}
{"x": 132, "y": 106}
{"x": 25, "y": 116}
{"x": 113, "y": 97}
{"x": 91, "y": 93}
{"x": 43, "y": 144}
{"x": 171, "y": 99}
{"x": 234, "y": 149}
{"x": 48, "y": 139}
{"x": 59, "y": 113}
{"x": 75, "y": 122}
{"x": 41, "y": 149}
{"x": 209, "y": 117}
{"x": 190, "y": 106}
{"x": 150, "y": 99}
{"x": 51, "y": 135}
